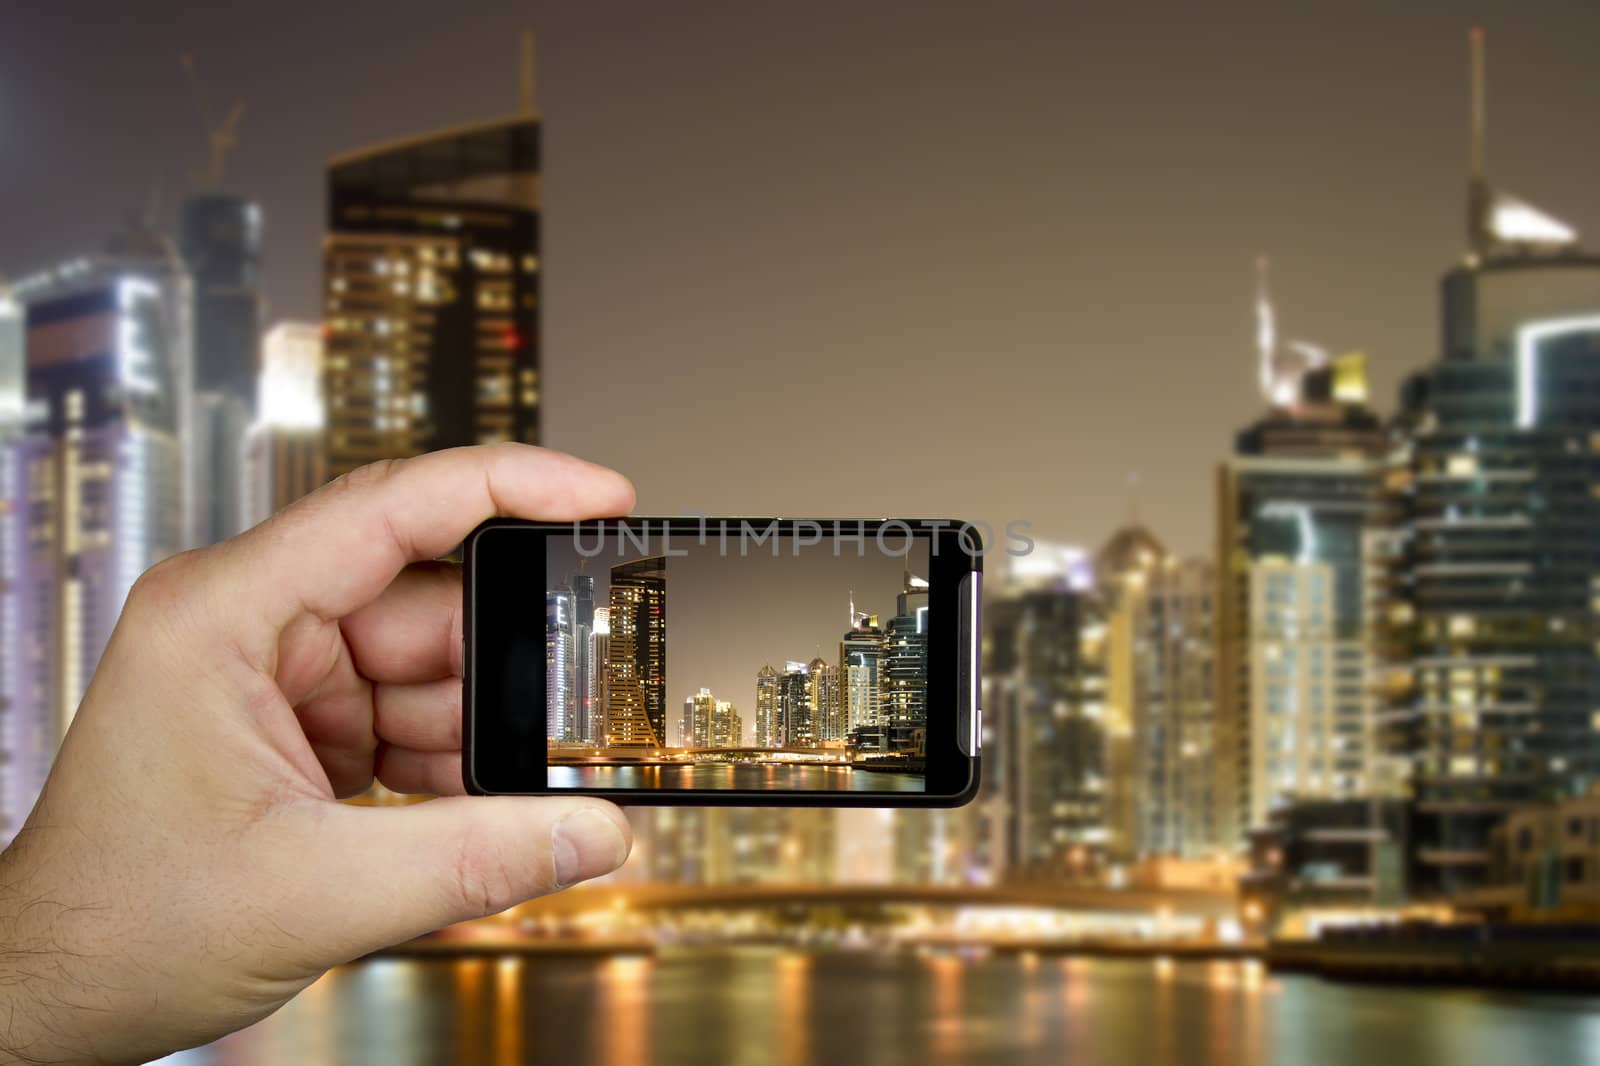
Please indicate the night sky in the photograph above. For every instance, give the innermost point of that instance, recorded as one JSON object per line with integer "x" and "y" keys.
{"x": 935, "y": 258}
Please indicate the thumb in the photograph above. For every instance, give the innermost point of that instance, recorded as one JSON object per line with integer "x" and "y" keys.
{"x": 388, "y": 874}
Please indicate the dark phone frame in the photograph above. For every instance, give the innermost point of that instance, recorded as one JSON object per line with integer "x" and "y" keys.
{"x": 503, "y": 557}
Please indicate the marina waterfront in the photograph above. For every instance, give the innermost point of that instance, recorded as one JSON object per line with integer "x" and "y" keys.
{"x": 769, "y": 1005}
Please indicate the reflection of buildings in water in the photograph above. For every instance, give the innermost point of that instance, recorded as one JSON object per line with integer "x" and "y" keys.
{"x": 508, "y": 1013}
{"x": 794, "y": 1008}
{"x": 621, "y": 1019}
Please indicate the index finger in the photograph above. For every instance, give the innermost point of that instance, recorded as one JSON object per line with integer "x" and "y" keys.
{"x": 339, "y": 547}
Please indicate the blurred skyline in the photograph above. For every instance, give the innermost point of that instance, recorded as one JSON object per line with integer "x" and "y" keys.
{"x": 1000, "y": 245}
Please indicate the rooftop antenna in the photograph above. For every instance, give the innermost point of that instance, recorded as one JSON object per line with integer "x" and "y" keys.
{"x": 1479, "y": 235}
{"x": 529, "y": 107}
{"x": 1266, "y": 330}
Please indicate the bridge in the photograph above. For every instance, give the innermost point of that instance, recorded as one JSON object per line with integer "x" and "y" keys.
{"x": 656, "y": 897}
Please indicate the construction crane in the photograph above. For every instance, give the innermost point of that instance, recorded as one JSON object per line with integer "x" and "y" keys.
{"x": 223, "y": 135}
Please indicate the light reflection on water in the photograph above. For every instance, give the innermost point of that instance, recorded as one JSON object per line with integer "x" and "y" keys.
{"x": 761, "y": 1006}
{"x": 743, "y": 775}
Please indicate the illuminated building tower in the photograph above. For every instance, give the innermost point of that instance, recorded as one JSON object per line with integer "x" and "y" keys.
{"x": 827, "y": 702}
{"x": 861, "y": 672}
{"x": 283, "y": 448}
{"x": 727, "y": 727}
{"x": 1296, "y": 505}
{"x": 1044, "y": 648}
{"x": 600, "y": 655}
{"x": 219, "y": 236}
{"x": 699, "y": 716}
{"x": 769, "y": 709}
{"x": 752, "y": 845}
{"x": 95, "y": 480}
{"x": 733, "y": 845}
{"x": 13, "y": 364}
{"x": 15, "y": 787}
{"x": 586, "y": 674}
{"x": 431, "y": 293}
{"x": 1159, "y": 707}
{"x": 903, "y": 685}
{"x": 796, "y": 714}
{"x": 932, "y": 847}
{"x": 1494, "y": 702}
{"x": 562, "y": 702}
{"x": 636, "y": 669}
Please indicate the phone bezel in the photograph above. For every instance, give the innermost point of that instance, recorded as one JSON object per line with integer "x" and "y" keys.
{"x": 496, "y": 749}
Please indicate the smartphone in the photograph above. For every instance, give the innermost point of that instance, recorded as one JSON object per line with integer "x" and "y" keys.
{"x": 724, "y": 661}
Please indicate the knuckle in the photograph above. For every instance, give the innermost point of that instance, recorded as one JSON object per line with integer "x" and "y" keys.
{"x": 370, "y": 474}
{"x": 166, "y": 583}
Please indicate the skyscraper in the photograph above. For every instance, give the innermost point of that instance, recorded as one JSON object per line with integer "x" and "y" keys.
{"x": 13, "y": 365}
{"x": 727, "y": 727}
{"x": 769, "y": 709}
{"x": 795, "y": 709}
{"x": 588, "y": 675}
{"x": 904, "y": 678}
{"x": 562, "y": 702}
{"x": 95, "y": 482}
{"x": 699, "y": 716}
{"x": 827, "y": 701}
{"x": 219, "y": 236}
{"x": 600, "y": 656}
{"x": 1494, "y": 699}
{"x": 1160, "y": 720}
{"x": 431, "y": 290}
{"x": 636, "y": 670}
{"x": 17, "y": 783}
{"x": 1295, "y": 505}
{"x": 283, "y": 448}
{"x": 1044, "y": 675}
{"x": 861, "y": 674}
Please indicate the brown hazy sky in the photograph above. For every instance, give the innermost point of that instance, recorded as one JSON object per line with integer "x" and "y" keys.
{"x": 982, "y": 259}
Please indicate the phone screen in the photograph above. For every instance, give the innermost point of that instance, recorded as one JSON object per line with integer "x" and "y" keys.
{"x": 737, "y": 658}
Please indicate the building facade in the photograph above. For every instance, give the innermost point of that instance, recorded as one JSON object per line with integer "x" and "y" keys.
{"x": 861, "y": 673}
{"x": 727, "y": 726}
{"x": 283, "y": 447}
{"x": 586, "y": 726}
{"x": 1160, "y": 708}
{"x": 636, "y": 667}
{"x": 1496, "y": 585}
{"x": 219, "y": 236}
{"x": 699, "y": 716}
{"x": 1044, "y": 675}
{"x": 561, "y": 701}
{"x": 904, "y": 670}
{"x": 1295, "y": 505}
{"x": 95, "y": 482}
{"x": 431, "y": 294}
{"x": 769, "y": 710}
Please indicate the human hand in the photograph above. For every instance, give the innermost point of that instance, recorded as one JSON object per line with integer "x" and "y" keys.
{"x": 187, "y": 869}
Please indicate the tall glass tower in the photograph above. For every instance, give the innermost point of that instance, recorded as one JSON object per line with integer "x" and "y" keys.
{"x": 431, "y": 293}
{"x": 1296, "y": 506}
{"x": 636, "y": 670}
{"x": 562, "y": 704}
{"x": 219, "y": 237}
{"x": 1494, "y": 699}
{"x": 94, "y": 484}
